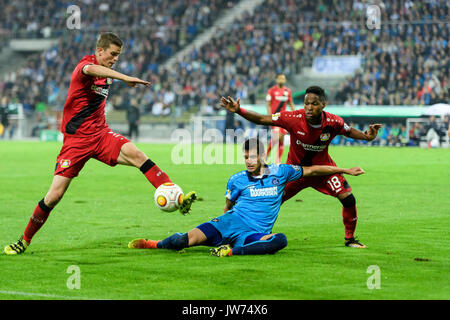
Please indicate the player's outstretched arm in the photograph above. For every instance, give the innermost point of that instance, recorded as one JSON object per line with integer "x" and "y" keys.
{"x": 329, "y": 170}
{"x": 95, "y": 70}
{"x": 235, "y": 106}
{"x": 369, "y": 135}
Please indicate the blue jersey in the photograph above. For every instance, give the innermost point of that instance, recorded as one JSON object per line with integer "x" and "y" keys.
{"x": 258, "y": 200}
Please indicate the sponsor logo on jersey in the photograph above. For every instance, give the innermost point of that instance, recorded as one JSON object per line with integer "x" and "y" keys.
{"x": 295, "y": 167}
{"x": 300, "y": 132}
{"x": 99, "y": 90}
{"x": 346, "y": 127}
{"x": 281, "y": 98}
{"x": 310, "y": 147}
{"x": 324, "y": 136}
{"x": 64, "y": 163}
{"x": 215, "y": 220}
{"x": 275, "y": 116}
{"x": 264, "y": 192}
{"x": 275, "y": 181}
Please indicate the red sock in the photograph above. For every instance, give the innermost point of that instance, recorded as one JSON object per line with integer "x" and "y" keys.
{"x": 154, "y": 174}
{"x": 349, "y": 217}
{"x": 37, "y": 220}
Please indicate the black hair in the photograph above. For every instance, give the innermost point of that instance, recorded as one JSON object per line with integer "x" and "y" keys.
{"x": 318, "y": 91}
{"x": 252, "y": 144}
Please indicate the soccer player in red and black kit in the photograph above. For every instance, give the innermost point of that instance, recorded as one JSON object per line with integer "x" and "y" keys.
{"x": 311, "y": 130}
{"x": 87, "y": 135}
{"x": 277, "y": 99}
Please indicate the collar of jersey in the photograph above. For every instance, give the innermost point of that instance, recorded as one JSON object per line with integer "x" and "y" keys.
{"x": 265, "y": 175}
{"x": 320, "y": 125}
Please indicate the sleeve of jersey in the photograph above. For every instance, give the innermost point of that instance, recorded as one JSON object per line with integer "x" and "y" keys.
{"x": 342, "y": 127}
{"x": 79, "y": 70}
{"x": 293, "y": 172}
{"x": 233, "y": 190}
{"x": 283, "y": 119}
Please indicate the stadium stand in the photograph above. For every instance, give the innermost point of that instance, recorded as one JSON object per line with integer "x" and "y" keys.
{"x": 404, "y": 64}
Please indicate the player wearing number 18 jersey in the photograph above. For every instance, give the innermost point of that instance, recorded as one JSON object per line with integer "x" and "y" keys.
{"x": 311, "y": 130}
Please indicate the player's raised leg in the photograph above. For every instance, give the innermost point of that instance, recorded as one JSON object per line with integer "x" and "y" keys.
{"x": 40, "y": 214}
{"x": 130, "y": 155}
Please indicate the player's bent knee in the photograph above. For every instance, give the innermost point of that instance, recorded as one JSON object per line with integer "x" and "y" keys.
{"x": 53, "y": 198}
{"x": 131, "y": 155}
{"x": 138, "y": 157}
{"x": 348, "y": 201}
{"x": 276, "y": 243}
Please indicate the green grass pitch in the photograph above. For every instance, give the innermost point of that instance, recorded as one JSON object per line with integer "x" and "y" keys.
{"x": 404, "y": 217}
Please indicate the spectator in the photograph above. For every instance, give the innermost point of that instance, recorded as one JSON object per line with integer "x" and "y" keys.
{"x": 415, "y": 134}
{"x": 393, "y": 138}
{"x": 133, "y": 116}
{"x": 160, "y": 109}
{"x": 4, "y": 121}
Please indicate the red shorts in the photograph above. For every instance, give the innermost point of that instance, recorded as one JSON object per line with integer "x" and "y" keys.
{"x": 331, "y": 185}
{"x": 76, "y": 151}
{"x": 279, "y": 130}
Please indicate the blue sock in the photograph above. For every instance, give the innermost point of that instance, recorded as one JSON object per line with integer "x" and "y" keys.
{"x": 273, "y": 244}
{"x": 177, "y": 241}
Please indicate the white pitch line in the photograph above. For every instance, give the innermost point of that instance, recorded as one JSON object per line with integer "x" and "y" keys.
{"x": 44, "y": 295}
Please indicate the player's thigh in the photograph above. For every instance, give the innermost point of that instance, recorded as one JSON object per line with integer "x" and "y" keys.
{"x": 110, "y": 150}
{"x": 130, "y": 155}
{"x": 58, "y": 188}
{"x": 248, "y": 237}
{"x": 267, "y": 236}
{"x": 196, "y": 237}
{"x": 294, "y": 187}
{"x": 334, "y": 185}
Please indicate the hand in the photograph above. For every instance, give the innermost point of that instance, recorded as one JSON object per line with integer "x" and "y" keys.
{"x": 134, "y": 82}
{"x": 373, "y": 131}
{"x": 230, "y": 104}
{"x": 355, "y": 171}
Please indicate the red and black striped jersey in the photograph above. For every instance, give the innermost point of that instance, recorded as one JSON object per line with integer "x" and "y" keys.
{"x": 84, "y": 110}
{"x": 278, "y": 98}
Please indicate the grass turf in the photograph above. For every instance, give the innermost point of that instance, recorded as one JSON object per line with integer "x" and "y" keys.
{"x": 403, "y": 209}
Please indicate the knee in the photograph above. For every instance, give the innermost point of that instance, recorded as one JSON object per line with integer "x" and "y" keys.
{"x": 348, "y": 201}
{"x": 140, "y": 157}
{"x": 278, "y": 242}
{"x": 282, "y": 240}
{"x": 134, "y": 156}
{"x": 53, "y": 197}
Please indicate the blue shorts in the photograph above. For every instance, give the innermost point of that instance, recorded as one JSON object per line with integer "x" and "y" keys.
{"x": 229, "y": 229}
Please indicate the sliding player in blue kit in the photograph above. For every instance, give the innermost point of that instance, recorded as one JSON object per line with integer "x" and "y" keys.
{"x": 253, "y": 200}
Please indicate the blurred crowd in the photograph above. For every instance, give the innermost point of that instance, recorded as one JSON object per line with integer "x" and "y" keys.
{"x": 427, "y": 131}
{"x": 404, "y": 64}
